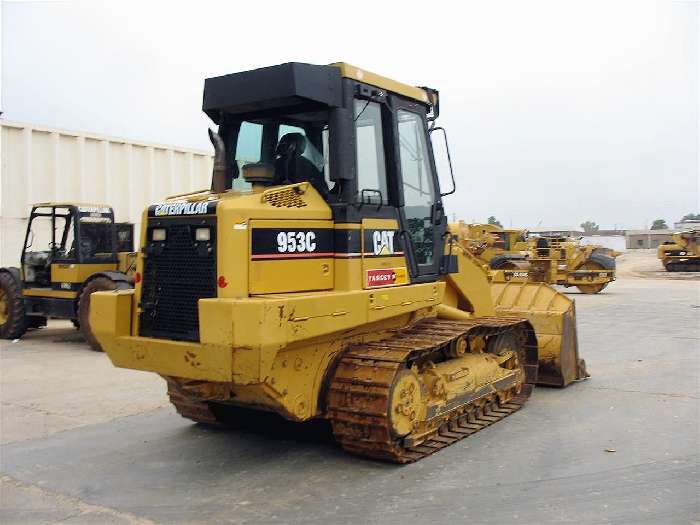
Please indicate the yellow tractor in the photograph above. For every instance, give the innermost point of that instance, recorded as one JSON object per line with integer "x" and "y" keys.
{"x": 70, "y": 251}
{"x": 555, "y": 260}
{"x": 491, "y": 243}
{"x": 683, "y": 253}
{"x": 319, "y": 277}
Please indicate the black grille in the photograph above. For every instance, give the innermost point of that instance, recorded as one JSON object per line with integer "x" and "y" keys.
{"x": 177, "y": 273}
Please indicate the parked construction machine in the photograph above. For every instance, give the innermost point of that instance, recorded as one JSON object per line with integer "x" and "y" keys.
{"x": 550, "y": 259}
{"x": 682, "y": 254}
{"x": 496, "y": 246}
{"x": 70, "y": 251}
{"x": 319, "y": 277}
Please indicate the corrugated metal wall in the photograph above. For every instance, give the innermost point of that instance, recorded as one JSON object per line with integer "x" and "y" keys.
{"x": 41, "y": 164}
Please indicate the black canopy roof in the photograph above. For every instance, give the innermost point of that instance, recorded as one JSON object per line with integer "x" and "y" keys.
{"x": 283, "y": 86}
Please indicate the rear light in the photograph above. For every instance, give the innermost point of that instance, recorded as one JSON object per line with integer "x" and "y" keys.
{"x": 137, "y": 277}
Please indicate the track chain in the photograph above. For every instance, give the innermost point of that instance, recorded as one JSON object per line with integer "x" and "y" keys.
{"x": 187, "y": 405}
{"x": 359, "y": 394}
{"x": 688, "y": 266}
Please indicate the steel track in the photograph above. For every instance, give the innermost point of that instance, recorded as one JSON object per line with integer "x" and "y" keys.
{"x": 359, "y": 395}
{"x": 189, "y": 406}
{"x": 688, "y": 266}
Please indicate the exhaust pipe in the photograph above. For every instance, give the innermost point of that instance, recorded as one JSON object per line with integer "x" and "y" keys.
{"x": 218, "y": 175}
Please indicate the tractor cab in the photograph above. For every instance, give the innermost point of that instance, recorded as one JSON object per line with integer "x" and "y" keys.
{"x": 61, "y": 235}
{"x": 362, "y": 141}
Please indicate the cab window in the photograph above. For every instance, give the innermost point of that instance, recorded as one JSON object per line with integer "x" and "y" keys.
{"x": 248, "y": 150}
{"x": 371, "y": 164}
{"x": 293, "y": 152}
{"x": 418, "y": 184}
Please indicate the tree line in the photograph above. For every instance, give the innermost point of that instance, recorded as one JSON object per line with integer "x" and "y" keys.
{"x": 660, "y": 224}
{"x": 592, "y": 227}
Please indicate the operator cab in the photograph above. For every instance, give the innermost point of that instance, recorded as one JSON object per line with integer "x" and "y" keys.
{"x": 66, "y": 234}
{"x": 361, "y": 140}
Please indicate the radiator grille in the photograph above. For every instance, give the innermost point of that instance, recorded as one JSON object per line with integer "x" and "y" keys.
{"x": 177, "y": 273}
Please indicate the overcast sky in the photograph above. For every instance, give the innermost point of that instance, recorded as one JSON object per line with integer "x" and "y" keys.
{"x": 557, "y": 112}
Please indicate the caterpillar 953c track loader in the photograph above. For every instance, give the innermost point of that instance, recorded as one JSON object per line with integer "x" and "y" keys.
{"x": 319, "y": 276}
{"x": 70, "y": 251}
{"x": 682, "y": 254}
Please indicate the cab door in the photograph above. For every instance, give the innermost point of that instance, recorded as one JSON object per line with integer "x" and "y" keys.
{"x": 49, "y": 231}
{"x": 422, "y": 213}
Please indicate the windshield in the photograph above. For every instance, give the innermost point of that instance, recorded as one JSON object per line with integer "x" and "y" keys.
{"x": 293, "y": 147}
{"x": 97, "y": 233}
{"x": 96, "y": 240}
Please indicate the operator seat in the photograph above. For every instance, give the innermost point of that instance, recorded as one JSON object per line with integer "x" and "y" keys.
{"x": 298, "y": 160}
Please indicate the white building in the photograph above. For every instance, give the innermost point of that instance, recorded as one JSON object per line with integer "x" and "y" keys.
{"x": 636, "y": 239}
{"x": 41, "y": 164}
{"x": 686, "y": 225}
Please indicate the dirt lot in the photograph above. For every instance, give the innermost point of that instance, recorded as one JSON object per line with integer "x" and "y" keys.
{"x": 83, "y": 442}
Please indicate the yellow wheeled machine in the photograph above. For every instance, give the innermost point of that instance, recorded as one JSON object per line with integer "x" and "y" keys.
{"x": 555, "y": 260}
{"x": 319, "y": 277}
{"x": 70, "y": 251}
{"x": 506, "y": 249}
{"x": 682, "y": 254}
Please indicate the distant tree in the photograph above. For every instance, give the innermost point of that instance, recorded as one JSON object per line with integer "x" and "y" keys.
{"x": 691, "y": 217}
{"x": 493, "y": 220}
{"x": 659, "y": 224}
{"x": 590, "y": 226}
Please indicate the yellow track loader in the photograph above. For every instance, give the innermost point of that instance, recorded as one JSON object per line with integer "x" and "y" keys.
{"x": 683, "y": 253}
{"x": 71, "y": 250}
{"x": 318, "y": 277}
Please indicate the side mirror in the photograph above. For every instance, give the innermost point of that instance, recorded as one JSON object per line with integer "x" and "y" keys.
{"x": 438, "y": 212}
{"x": 449, "y": 159}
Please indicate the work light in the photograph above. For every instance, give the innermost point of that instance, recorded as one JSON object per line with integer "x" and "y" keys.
{"x": 202, "y": 234}
{"x": 158, "y": 234}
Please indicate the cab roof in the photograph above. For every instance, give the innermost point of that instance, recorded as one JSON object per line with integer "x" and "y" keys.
{"x": 80, "y": 204}
{"x": 294, "y": 85}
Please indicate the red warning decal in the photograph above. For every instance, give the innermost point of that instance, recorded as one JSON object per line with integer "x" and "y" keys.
{"x": 386, "y": 277}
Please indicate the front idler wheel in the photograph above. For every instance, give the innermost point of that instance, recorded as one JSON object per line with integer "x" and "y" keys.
{"x": 405, "y": 403}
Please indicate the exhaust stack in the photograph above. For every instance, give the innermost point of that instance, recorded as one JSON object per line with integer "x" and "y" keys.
{"x": 218, "y": 175}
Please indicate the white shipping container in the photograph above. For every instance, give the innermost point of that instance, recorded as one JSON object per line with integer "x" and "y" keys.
{"x": 39, "y": 164}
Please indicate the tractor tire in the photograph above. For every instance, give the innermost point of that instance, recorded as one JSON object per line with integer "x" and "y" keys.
{"x": 599, "y": 262}
{"x": 13, "y": 315}
{"x": 504, "y": 262}
{"x": 605, "y": 261}
{"x": 98, "y": 284}
{"x": 590, "y": 289}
